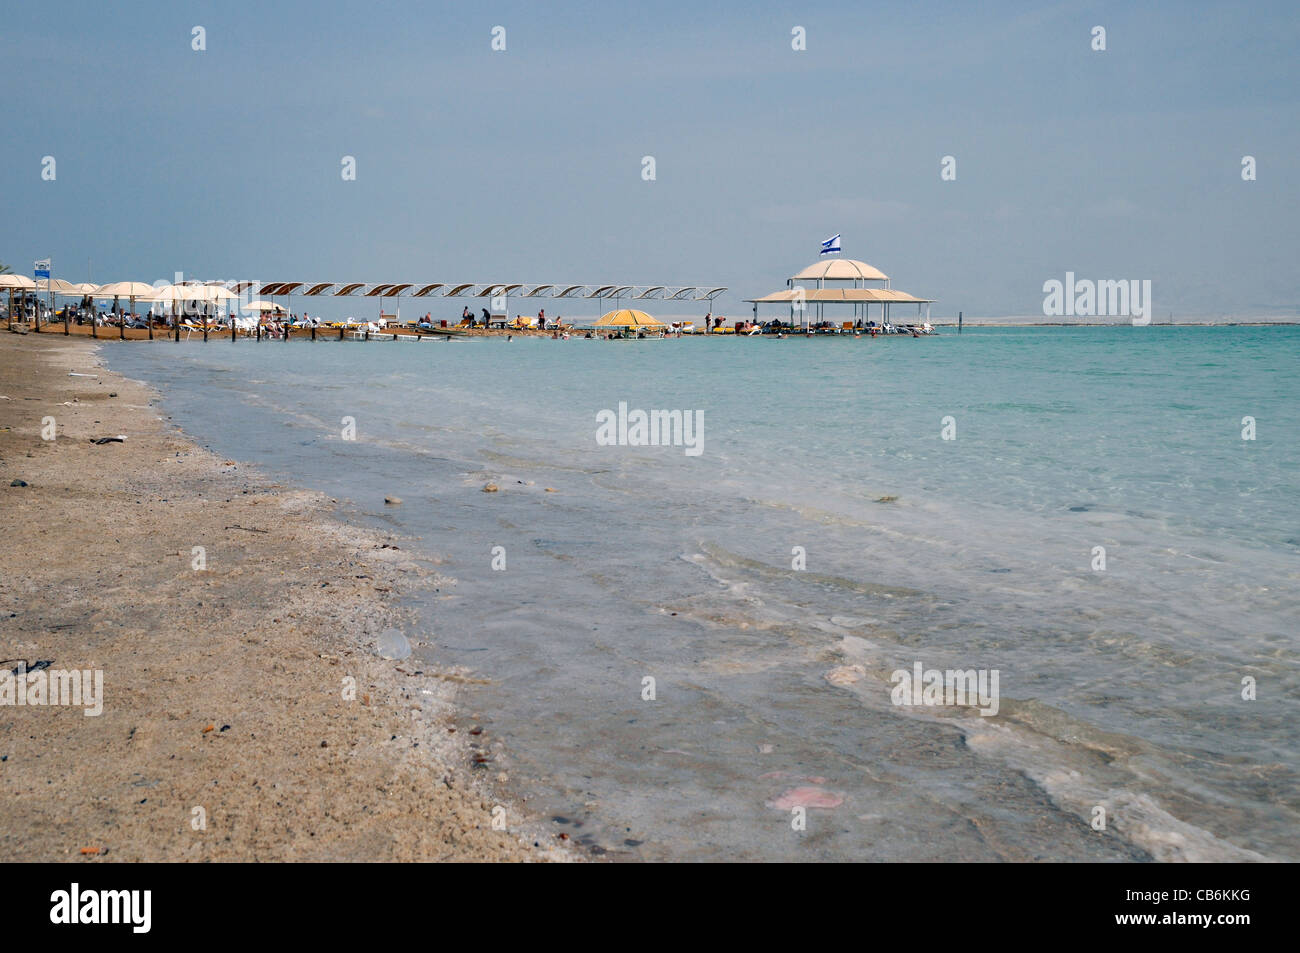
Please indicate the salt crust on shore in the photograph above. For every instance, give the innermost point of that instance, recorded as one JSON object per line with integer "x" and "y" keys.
{"x": 223, "y": 687}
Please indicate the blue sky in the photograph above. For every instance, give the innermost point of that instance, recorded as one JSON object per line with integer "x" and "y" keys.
{"x": 525, "y": 165}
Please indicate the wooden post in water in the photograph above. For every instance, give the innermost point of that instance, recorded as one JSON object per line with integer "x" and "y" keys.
{"x": 340, "y": 334}
{"x": 232, "y": 330}
{"x": 313, "y": 332}
{"x": 959, "y": 322}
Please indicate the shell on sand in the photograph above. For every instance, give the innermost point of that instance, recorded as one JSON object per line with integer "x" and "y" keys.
{"x": 846, "y": 675}
{"x": 810, "y": 796}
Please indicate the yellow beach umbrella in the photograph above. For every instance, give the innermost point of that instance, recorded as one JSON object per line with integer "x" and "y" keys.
{"x": 628, "y": 318}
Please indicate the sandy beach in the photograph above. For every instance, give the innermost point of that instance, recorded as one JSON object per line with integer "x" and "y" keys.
{"x": 228, "y": 728}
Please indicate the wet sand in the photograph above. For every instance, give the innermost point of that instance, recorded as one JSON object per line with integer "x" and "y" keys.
{"x": 227, "y": 730}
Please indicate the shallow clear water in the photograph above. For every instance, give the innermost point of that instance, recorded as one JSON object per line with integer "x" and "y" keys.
{"x": 1120, "y": 688}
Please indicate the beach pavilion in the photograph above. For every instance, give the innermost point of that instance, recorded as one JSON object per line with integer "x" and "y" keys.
{"x": 841, "y": 281}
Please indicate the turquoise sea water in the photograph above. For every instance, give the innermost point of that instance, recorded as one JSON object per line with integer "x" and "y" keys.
{"x": 1121, "y": 688}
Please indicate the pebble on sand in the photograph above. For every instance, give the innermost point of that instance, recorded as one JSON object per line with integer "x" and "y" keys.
{"x": 489, "y": 488}
{"x": 392, "y": 500}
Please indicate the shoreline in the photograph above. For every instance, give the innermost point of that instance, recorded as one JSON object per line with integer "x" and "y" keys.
{"x": 227, "y": 731}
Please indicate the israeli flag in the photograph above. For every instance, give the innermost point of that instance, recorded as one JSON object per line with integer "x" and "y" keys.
{"x": 831, "y": 245}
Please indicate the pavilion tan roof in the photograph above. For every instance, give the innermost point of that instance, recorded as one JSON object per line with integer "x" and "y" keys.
{"x": 841, "y": 269}
{"x": 843, "y": 295}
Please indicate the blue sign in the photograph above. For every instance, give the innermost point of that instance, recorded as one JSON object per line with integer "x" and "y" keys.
{"x": 43, "y": 269}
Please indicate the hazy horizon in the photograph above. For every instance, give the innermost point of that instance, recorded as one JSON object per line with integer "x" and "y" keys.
{"x": 526, "y": 164}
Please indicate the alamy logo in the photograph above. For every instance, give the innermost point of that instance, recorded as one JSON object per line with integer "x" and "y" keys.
{"x": 655, "y": 428}
{"x": 1087, "y": 298}
{"x": 46, "y": 686}
{"x": 933, "y": 686}
{"x": 103, "y": 906}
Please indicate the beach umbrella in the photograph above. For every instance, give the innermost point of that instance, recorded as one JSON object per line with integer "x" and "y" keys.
{"x": 86, "y": 290}
{"x": 262, "y": 306}
{"x": 132, "y": 290}
{"x": 56, "y": 286}
{"x": 14, "y": 283}
{"x": 628, "y": 318}
{"x": 215, "y": 293}
{"x": 178, "y": 293}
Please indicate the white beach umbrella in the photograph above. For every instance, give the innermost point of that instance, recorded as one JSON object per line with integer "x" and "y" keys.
{"x": 175, "y": 294}
{"x": 14, "y": 283}
{"x": 263, "y": 306}
{"x": 126, "y": 289}
{"x": 133, "y": 291}
{"x": 87, "y": 291}
{"x": 57, "y": 285}
{"x": 219, "y": 292}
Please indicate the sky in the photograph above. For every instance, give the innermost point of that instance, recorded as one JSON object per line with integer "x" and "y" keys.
{"x": 526, "y": 164}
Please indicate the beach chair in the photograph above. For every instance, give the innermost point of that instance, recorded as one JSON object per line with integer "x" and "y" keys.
{"x": 465, "y": 322}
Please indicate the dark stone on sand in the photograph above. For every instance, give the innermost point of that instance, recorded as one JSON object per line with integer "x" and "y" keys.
{"x": 18, "y": 483}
